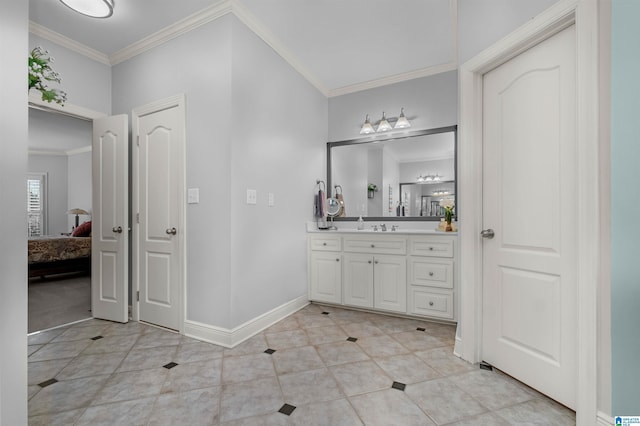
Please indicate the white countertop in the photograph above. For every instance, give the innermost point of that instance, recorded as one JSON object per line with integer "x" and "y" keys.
{"x": 412, "y": 228}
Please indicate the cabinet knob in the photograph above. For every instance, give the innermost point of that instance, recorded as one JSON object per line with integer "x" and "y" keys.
{"x": 373, "y": 246}
{"x": 324, "y": 244}
{"x": 430, "y": 248}
{"x": 430, "y": 303}
{"x": 369, "y": 262}
{"x": 376, "y": 262}
{"x": 337, "y": 260}
{"x": 430, "y": 274}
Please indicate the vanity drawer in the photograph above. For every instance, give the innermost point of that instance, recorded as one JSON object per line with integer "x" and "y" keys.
{"x": 381, "y": 245}
{"x": 431, "y": 246}
{"x": 325, "y": 242}
{"x": 431, "y": 302}
{"x": 430, "y": 272}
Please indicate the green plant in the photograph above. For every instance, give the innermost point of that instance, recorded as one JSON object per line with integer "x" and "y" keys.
{"x": 40, "y": 72}
{"x": 372, "y": 187}
{"x": 448, "y": 207}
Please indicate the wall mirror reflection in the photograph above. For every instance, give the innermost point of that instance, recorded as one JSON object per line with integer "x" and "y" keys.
{"x": 403, "y": 176}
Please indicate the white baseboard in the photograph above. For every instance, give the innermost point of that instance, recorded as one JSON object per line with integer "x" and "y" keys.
{"x": 232, "y": 337}
{"x": 604, "y": 419}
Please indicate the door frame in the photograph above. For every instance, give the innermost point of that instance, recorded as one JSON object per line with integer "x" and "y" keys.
{"x": 177, "y": 101}
{"x": 591, "y": 231}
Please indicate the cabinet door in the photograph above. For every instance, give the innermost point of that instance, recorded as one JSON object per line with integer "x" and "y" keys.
{"x": 326, "y": 277}
{"x": 358, "y": 280}
{"x": 390, "y": 283}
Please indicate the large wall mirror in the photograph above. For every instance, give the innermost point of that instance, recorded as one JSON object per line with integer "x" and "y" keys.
{"x": 397, "y": 176}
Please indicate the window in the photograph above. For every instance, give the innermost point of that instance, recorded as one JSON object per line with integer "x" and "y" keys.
{"x": 36, "y": 204}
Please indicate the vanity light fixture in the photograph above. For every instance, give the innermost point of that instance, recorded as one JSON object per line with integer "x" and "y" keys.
{"x": 383, "y": 125}
{"x": 92, "y": 8}
{"x": 367, "y": 128}
{"x": 402, "y": 122}
{"x": 429, "y": 178}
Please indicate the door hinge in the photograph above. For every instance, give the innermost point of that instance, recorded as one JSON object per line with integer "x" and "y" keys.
{"x": 138, "y": 140}
{"x": 137, "y": 217}
{"x": 138, "y": 296}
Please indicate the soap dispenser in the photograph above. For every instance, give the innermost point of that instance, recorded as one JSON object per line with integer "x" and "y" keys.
{"x": 360, "y": 223}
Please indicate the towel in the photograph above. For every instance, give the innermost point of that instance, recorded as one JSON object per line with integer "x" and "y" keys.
{"x": 321, "y": 204}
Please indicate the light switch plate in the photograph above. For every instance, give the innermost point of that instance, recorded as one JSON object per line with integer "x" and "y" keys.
{"x": 252, "y": 196}
{"x": 272, "y": 199}
{"x": 193, "y": 195}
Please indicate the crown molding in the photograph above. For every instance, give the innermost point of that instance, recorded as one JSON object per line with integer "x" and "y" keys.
{"x": 177, "y": 29}
{"x": 60, "y": 153}
{"x": 235, "y": 7}
{"x": 396, "y": 78}
{"x": 81, "y": 150}
{"x": 64, "y": 41}
{"x": 37, "y": 151}
{"x": 247, "y": 18}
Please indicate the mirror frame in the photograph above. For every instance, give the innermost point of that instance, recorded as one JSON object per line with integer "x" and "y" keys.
{"x": 392, "y": 136}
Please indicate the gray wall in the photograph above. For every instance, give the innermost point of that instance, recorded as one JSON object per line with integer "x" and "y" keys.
{"x": 79, "y": 185}
{"x": 429, "y": 102}
{"x": 57, "y": 186}
{"x": 252, "y": 122}
{"x": 482, "y": 23}
{"x": 13, "y": 244}
{"x": 197, "y": 64}
{"x": 279, "y": 130}
{"x": 87, "y": 82}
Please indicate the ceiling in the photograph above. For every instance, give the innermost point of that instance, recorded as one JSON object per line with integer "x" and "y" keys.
{"x": 340, "y": 46}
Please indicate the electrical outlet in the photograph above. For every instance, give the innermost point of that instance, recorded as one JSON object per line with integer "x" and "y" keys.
{"x": 252, "y": 196}
{"x": 272, "y": 199}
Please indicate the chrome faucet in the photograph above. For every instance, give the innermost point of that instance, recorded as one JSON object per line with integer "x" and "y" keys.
{"x": 383, "y": 226}
{"x": 394, "y": 227}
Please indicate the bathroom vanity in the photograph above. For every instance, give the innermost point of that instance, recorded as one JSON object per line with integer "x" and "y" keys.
{"x": 410, "y": 272}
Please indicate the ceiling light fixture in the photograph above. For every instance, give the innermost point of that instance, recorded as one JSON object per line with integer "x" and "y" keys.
{"x": 92, "y": 8}
{"x": 384, "y": 125}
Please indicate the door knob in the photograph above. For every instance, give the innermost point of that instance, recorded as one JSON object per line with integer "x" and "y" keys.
{"x": 172, "y": 231}
{"x": 487, "y": 233}
{"x": 117, "y": 229}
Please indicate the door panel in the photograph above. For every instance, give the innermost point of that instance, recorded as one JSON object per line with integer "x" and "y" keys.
{"x": 358, "y": 280}
{"x": 390, "y": 283}
{"x": 110, "y": 256}
{"x": 529, "y": 200}
{"x": 159, "y": 195}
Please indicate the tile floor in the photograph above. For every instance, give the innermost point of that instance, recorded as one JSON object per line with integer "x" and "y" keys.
{"x": 319, "y": 366}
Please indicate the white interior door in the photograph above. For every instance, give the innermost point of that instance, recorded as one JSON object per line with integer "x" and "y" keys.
{"x": 529, "y": 201}
{"x": 159, "y": 198}
{"x": 110, "y": 226}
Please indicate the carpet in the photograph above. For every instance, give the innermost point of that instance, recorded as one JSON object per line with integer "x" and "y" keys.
{"x": 58, "y": 300}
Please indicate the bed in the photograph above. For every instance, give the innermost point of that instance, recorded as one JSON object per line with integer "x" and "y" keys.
{"x": 49, "y": 255}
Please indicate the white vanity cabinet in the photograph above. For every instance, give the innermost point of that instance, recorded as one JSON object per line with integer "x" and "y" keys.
{"x": 393, "y": 272}
{"x": 375, "y": 281}
{"x": 375, "y": 271}
{"x": 431, "y": 276}
{"x": 325, "y": 268}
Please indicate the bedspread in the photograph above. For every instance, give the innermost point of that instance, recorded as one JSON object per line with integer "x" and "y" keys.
{"x": 54, "y": 248}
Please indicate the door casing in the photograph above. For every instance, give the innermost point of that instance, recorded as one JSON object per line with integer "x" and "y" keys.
{"x": 584, "y": 14}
